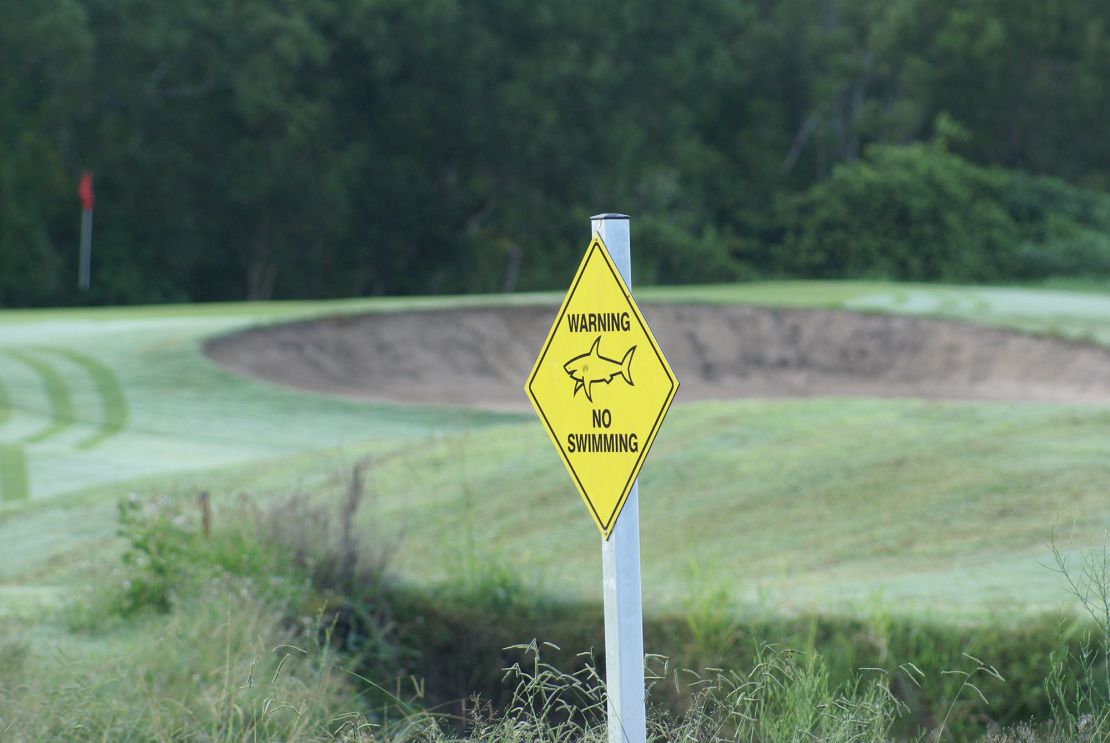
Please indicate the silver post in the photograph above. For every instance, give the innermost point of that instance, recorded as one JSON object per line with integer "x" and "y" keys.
{"x": 620, "y": 560}
{"x": 85, "y": 268}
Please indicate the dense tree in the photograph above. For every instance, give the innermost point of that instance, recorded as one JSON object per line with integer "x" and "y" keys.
{"x": 256, "y": 149}
{"x": 44, "y": 51}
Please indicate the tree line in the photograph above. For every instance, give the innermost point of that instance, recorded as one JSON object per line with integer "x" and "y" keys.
{"x": 316, "y": 148}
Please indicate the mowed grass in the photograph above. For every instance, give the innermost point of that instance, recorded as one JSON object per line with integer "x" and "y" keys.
{"x": 111, "y": 398}
{"x": 789, "y": 505}
{"x": 937, "y": 510}
{"x": 96, "y": 396}
{"x": 1078, "y": 315}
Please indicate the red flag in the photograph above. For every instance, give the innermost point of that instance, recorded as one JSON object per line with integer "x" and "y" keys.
{"x": 85, "y": 191}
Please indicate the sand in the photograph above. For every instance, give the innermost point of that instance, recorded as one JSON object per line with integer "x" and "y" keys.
{"x": 480, "y": 357}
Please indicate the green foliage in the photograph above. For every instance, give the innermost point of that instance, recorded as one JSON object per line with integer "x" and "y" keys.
{"x": 921, "y": 213}
{"x": 711, "y": 623}
{"x": 1081, "y": 701}
{"x": 1065, "y": 231}
{"x": 788, "y": 696}
{"x": 315, "y": 148}
{"x": 157, "y": 553}
{"x": 911, "y": 213}
{"x": 223, "y": 666}
{"x": 459, "y": 639}
{"x": 220, "y": 636}
{"x": 785, "y": 696}
{"x": 45, "y": 49}
{"x": 167, "y": 555}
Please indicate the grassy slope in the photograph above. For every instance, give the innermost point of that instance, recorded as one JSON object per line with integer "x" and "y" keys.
{"x": 974, "y": 488}
{"x": 935, "y": 509}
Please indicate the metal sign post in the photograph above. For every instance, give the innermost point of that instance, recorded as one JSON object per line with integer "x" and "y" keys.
{"x": 620, "y": 561}
{"x": 601, "y": 387}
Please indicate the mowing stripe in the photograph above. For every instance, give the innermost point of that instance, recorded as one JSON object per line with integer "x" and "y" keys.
{"x": 111, "y": 395}
{"x": 5, "y": 404}
{"x": 13, "y": 474}
{"x": 13, "y": 463}
{"x": 61, "y": 404}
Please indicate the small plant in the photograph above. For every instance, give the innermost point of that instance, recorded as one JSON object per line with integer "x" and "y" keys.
{"x": 1080, "y": 700}
{"x": 159, "y": 542}
{"x": 785, "y": 697}
{"x": 712, "y": 625}
{"x": 1089, "y": 582}
{"x": 331, "y": 547}
{"x": 967, "y": 685}
{"x": 169, "y": 553}
{"x": 550, "y": 704}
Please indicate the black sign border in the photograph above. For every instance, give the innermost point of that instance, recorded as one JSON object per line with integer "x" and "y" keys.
{"x": 595, "y": 245}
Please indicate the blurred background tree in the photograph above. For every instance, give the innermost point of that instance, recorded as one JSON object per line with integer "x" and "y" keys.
{"x": 314, "y": 148}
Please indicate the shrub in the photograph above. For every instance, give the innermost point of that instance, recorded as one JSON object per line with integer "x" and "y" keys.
{"x": 920, "y": 213}
{"x": 910, "y": 213}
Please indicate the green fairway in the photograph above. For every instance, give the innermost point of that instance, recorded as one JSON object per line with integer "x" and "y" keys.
{"x": 795, "y": 506}
{"x": 126, "y": 393}
{"x": 936, "y": 510}
{"x": 1069, "y": 314}
{"x": 829, "y": 504}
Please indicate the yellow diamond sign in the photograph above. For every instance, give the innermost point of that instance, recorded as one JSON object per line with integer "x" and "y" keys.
{"x": 601, "y": 386}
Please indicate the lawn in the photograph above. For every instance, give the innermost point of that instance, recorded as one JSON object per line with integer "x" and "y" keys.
{"x": 795, "y": 505}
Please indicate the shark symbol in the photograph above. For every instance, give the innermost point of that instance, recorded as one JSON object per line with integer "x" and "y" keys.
{"x": 590, "y": 368}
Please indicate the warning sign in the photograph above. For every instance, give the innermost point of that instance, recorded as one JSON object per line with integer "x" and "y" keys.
{"x": 601, "y": 386}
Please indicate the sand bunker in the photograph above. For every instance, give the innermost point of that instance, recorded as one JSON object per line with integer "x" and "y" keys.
{"x": 480, "y": 357}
